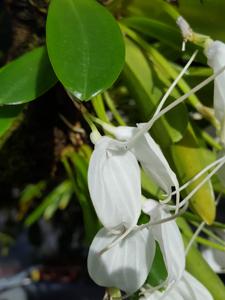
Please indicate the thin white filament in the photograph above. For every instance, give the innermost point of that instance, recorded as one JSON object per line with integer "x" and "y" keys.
{"x": 116, "y": 241}
{"x": 186, "y": 199}
{"x": 198, "y": 230}
{"x": 197, "y": 176}
{"x": 140, "y": 227}
{"x": 129, "y": 144}
{"x": 164, "y": 100}
{"x": 165, "y": 220}
{"x": 174, "y": 83}
{"x": 149, "y": 291}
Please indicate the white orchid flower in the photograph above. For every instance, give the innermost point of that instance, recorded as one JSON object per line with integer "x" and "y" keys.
{"x": 215, "y": 52}
{"x": 124, "y": 266}
{"x": 121, "y": 254}
{"x": 149, "y": 154}
{"x": 169, "y": 238}
{"x": 114, "y": 185}
{"x": 221, "y": 172}
{"x": 216, "y": 258}
{"x": 187, "y": 288}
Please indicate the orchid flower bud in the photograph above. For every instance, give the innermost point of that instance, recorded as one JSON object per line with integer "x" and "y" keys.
{"x": 151, "y": 158}
{"x": 126, "y": 265}
{"x": 169, "y": 238}
{"x": 187, "y": 288}
{"x": 114, "y": 185}
{"x": 215, "y": 52}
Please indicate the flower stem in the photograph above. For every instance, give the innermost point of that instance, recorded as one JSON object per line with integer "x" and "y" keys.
{"x": 112, "y": 107}
{"x": 210, "y": 140}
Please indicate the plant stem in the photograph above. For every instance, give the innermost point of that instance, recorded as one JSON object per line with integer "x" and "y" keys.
{"x": 113, "y": 109}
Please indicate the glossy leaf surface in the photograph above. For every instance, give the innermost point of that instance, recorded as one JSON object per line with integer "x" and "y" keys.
{"x": 26, "y": 78}
{"x": 85, "y": 47}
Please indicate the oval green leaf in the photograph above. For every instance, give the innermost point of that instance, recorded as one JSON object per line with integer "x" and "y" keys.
{"x": 85, "y": 46}
{"x": 26, "y": 78}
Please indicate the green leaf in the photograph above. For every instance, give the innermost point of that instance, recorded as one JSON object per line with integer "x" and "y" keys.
{"x": 85, "y": 46}
{"x": 78, "y": 177}
{"x": 156, "y": 29}
{"x": 200, "y": 14}
{"x": 99, "y": 108}
{"x": 199, "y": 268}
{"x": 8, "y": 116}
{"x": 158, "y": 273}
{"x": 32, "y": 191}
{"x": 188, "y": 159}
{"x": 26, "y": 78}
{"x": 150, "y": 189}
{"x": 51, "y": 202}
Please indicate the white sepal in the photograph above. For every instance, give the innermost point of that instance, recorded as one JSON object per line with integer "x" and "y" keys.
{"x": 169, "y": 238}
{"x": 221, "y": 171}
{"x": 188, "y": 288}
{"x": 126, "y": 265}
{"x": 216, "y": 258}
{"x": 114, "y": 185}
{"x": 215, "y": 53}
{"x": 151, "y": 158}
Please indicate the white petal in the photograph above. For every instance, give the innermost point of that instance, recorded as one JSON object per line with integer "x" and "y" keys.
{"x": 151, "y": 158}
{"x": 188, "y": 288}
{"x": 124, "y": 266}
{"x": 169, "y": 238}
{"x": 114, "y": 185}
{"x": 155, "y": 164}
{"x": 123, "y": 133}
{"x": 216, "y": 60}
{"x": 216, "y": 262}
{"x": 216, "y": 258}
{"x": 192, "y": 289}
{"x": 221, "y": 172}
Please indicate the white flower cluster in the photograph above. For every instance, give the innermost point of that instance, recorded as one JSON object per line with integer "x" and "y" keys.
{"x": 215, "y": 52}
{"x": 122, "y": 252}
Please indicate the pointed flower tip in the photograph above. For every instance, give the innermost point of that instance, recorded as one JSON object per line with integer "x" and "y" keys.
{"x": 207, "y": 213}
